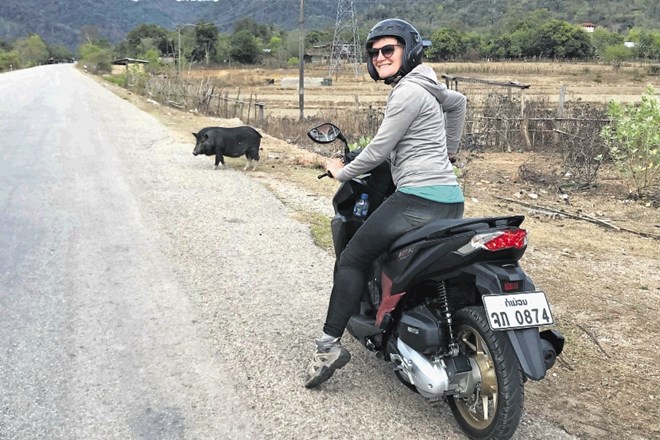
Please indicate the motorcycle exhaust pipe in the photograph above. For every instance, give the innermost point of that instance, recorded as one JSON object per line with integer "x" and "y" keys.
{"x": 552, "y": 344}
{"x": 549, "y": 354}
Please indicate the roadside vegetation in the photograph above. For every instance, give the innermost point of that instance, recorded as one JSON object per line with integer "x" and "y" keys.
{"x": 532, "y": 36}
{"x": 624, "y": 134}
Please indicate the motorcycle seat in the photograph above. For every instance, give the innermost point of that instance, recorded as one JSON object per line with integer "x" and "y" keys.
{"x": 447, "y": 227}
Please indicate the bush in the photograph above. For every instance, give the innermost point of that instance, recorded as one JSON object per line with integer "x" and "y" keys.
{"x": 98, "y": 59}
{"x": 9, "y": 60}
{"x": 361, "y": 142}
{"x": 633, "y": 139}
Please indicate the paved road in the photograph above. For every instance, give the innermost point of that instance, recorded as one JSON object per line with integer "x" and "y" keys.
{"x": 96, "y": 338}
{"x": 144, "y": 295}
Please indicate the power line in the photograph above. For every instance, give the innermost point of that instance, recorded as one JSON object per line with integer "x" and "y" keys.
{"x": 250, "y": 10}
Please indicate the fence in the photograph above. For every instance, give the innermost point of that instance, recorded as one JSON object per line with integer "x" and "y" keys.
{"x": 221, "y": 105}
{"x": 200, "y": 96}
{"x": 502, "y": 121}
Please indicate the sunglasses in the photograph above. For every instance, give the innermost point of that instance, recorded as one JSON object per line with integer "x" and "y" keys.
{"x": 387, "y": 51}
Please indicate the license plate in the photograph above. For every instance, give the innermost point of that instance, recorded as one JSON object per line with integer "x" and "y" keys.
{"x": 517, "y": 310}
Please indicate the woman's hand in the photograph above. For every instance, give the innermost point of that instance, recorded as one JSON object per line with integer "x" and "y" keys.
{"x": 333, "y": 166}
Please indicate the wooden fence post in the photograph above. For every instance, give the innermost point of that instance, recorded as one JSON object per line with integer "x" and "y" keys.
{"x": 560, "y": 112}
{"x": 525, "y": 121}
{"x": 238, "y": 96}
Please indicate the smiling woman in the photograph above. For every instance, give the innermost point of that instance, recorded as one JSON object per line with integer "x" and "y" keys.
{"x": 414, "y": 139}
{"x": 386, "y": 56}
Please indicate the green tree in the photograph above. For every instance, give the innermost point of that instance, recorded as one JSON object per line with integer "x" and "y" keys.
{"x": 223, "y": 48}
{"x": 206, "y": 38}
{"x": 634, "y": 140}
{"x": 5, "y": 45}
{"x": 559, "y": 39}
{"x": 97, "y": 58}
{"x": 518, "y": 36}
{"x": 265, "y": 32}
{"x": 184, "y": 43}
{"x": 9, "y": 60}
{"x": 153, "y": 56}
{"x": 148, "y": 36}
{"x": 447, "y": 44}
{"x": 59, "y": 53}
{"x": 647, "y": 43}
{"x": 602, "y": 39}
{"x": 244, "y": 47}
{"x": 32, "y": 51}
{"x": 514, "y": 21}
{"x": 616, "y": 53}
{"x": 314, "y": 37}
{"x": 277, "y": 49}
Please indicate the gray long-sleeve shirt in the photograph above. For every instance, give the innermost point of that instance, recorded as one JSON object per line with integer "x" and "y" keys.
{"x": 415, "y": 134}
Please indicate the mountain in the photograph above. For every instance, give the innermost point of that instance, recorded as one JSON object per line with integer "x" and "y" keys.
{"x": 59, "y": 22}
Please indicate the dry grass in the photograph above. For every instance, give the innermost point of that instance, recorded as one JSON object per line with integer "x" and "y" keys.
{"x": 587, "y": 82}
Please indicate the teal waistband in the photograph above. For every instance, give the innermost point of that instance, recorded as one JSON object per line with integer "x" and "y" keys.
{"x": 437, "y": 193}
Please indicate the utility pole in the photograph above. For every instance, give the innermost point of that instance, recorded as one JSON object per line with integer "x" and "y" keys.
{"x": 301, "y": 69}
{"x": 178, "y": 60}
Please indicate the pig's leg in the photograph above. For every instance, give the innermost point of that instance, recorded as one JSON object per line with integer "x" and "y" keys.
{"x": 253, "y": 157}
{"x": 247, "y": 165}
{"x": 219, "y": 160}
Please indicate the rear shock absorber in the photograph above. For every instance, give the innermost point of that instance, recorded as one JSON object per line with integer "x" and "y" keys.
{"x": 446, "y": 313}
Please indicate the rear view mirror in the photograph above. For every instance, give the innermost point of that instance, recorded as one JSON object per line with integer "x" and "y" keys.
{"x": 325, "y": 133}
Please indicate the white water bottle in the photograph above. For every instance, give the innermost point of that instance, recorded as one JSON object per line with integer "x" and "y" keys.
{"x": 361, "y": 206}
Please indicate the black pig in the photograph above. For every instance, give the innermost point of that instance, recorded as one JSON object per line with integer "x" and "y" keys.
{"x": 228, "y": 141}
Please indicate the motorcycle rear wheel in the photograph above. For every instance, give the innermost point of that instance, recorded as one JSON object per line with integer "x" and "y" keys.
{"x": 494, "y": 410}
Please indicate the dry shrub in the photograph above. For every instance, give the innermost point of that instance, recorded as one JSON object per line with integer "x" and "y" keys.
{"x": 230, "y": 78}
{"x": 353, "y": 123}
{"x": 519, "y": 68}
{"x": 580, "y": 144}
{"x": 541, "y": 170}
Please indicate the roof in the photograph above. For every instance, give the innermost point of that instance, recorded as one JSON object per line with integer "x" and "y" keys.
{"x": 125, "y": 61}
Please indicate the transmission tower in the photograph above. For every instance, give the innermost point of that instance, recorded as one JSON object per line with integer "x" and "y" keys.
{"x": 346, "y": 47}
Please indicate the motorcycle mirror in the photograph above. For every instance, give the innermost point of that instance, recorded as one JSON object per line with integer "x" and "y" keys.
{"x": 325, "y": 133}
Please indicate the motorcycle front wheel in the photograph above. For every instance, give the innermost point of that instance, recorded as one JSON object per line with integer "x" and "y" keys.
{"x": 493, "y": 411}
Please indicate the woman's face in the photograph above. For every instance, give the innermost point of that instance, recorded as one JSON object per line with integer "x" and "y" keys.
{"x": 389, "y": 58}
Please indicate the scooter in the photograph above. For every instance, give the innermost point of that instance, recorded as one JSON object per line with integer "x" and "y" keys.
{"x": 450, "y": 307}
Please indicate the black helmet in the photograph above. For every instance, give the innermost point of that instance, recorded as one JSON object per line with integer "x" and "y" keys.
{"x": 409, "y": 36}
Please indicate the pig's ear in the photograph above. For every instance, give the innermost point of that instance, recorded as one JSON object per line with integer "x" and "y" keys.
{"x": 195, "y": 134}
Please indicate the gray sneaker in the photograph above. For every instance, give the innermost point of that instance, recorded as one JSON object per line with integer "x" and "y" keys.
{"x": 329, "y": 356}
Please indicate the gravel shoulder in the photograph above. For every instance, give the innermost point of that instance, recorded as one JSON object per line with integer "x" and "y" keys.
{"x": 238, "y": 247}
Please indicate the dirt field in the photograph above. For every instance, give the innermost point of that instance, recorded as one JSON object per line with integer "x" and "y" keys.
{"x": 596, "y": 255}
{"x": 588, "y": 82}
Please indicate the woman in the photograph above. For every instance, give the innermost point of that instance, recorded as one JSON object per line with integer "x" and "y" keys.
{"x": 419, "y": 143}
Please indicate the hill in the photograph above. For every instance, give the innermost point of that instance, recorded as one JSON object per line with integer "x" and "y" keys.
{"x": 59, "y": 22}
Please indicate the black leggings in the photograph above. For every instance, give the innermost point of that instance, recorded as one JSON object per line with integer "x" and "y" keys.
{"x": 399, "y": 214}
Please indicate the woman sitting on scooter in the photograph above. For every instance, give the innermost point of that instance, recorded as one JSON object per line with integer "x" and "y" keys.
{"x": 419, "y": 143}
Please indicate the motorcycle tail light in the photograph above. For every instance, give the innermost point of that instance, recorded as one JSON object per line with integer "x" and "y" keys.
{"x": 496, "y": 241}
{"x": 509, "y": 239}
{"x": 510, "y": 286}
